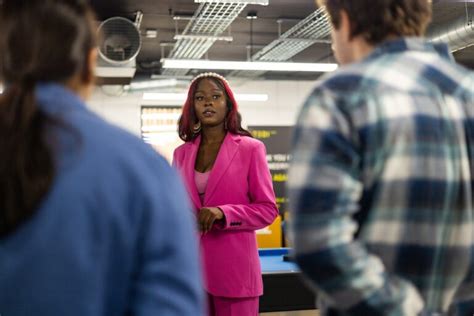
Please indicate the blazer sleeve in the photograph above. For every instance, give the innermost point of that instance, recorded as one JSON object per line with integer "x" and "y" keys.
{"x": 262, "y": 209}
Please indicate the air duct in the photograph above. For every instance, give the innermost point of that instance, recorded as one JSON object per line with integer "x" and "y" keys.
{"x": 206, "y": 26}
{"x": 458, "y": 34}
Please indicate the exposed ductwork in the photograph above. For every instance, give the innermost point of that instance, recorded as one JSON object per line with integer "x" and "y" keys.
{"x": 208, "y": 22}
{"x": 213, "y": 17}
{"x": 315, "y": 28}
{"x": 458, "y": 34}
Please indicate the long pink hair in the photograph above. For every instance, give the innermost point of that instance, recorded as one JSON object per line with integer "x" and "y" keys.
{"x": 188, "y": 117}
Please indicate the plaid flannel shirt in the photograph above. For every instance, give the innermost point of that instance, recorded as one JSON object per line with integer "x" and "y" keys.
{"x": 381, "y": 185}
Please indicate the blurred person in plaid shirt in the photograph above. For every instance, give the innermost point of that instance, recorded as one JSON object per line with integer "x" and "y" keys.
{"x": 381, "y": 182}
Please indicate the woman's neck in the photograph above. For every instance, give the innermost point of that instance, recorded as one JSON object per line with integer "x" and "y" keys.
{"x": 213, "y": 135}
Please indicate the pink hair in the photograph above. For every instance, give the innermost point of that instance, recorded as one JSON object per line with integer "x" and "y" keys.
{"x": 188, "y": 116}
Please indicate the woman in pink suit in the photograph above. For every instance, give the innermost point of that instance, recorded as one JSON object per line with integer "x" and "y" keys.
{"x": 228, "y": 180}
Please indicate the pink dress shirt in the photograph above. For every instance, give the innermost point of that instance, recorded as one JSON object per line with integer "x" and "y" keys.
{"x": 201, "y": 178}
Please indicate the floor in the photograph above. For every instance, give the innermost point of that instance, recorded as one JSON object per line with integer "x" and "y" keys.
{"x": 294, "y": 313}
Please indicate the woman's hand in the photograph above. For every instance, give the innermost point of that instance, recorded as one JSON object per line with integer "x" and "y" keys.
{"x": 207, "y": 216}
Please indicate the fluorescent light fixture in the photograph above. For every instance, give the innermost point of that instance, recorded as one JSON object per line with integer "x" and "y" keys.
{"x": 164, "y": 96}
{"x": 151, "y": 33}
{"x": 261, "y": 2}
{"x": 127, "y": 72}
{"x": 246, "y": 65}
{"x": 150, "y": 84}
{"x": 182, "y": 97}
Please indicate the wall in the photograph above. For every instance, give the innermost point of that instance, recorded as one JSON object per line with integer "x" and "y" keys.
{"x": 282, "y": 107}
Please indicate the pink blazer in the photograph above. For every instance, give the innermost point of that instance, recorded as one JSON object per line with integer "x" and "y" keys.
{"x": 240, "y": 185}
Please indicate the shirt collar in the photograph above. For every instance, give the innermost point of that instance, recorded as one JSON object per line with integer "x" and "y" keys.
{"x": 55, "y": 98}
{"x": 410, "y": 44}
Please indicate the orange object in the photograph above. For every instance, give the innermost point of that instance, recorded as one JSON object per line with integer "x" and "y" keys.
{"x": 270, "y": 236}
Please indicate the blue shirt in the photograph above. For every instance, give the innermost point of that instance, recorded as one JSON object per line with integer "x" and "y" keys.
{"x": 381, "y": 185}
{"x": 114, "y": 235}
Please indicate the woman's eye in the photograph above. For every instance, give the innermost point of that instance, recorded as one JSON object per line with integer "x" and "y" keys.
{"x": 199, "y": 98}
{"x": 216, "y": 96}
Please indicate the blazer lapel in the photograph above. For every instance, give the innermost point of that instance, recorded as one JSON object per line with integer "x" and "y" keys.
{"x": 223, "y": 160}
{"x": 189, "y": 172}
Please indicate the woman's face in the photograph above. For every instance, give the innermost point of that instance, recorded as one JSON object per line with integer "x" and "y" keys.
{"x": 210, "y": 103}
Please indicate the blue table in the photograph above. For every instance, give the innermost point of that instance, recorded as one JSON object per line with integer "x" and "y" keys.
{"x": 271, "y": 261}
{"x": 284, "y": 289}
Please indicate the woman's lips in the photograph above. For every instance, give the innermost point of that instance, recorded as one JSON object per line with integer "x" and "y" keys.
{"x": 208, "y": 113}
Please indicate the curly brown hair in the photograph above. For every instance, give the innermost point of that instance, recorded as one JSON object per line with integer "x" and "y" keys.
{"x": 376, "y": 20}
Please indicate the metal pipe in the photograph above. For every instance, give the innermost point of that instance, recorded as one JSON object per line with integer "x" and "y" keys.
{"x": 458, "y": 34}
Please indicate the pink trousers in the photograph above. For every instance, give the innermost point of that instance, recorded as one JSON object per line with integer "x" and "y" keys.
{"x": 229, "y": 306}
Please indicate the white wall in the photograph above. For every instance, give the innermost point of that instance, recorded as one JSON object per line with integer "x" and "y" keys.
{"x": 285, "y": 98}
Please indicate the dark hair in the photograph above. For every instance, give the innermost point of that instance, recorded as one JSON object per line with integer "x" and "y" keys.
{"x": 40, "y": 41}
{"x": 188, "y": 117}
{"x": 375, "y": 20}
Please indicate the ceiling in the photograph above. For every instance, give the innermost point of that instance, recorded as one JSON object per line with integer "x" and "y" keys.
{"x": 248, "y": 36}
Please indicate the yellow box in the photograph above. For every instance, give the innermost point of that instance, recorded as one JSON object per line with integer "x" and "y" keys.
{"x": 270, "y": 236}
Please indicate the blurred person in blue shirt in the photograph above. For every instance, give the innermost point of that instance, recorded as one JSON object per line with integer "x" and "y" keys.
{"x": 381, "y": 182}
{"x": 92, "y": 220}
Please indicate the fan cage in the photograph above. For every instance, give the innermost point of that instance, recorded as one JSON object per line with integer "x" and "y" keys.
{"x": 120, "y": 40}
